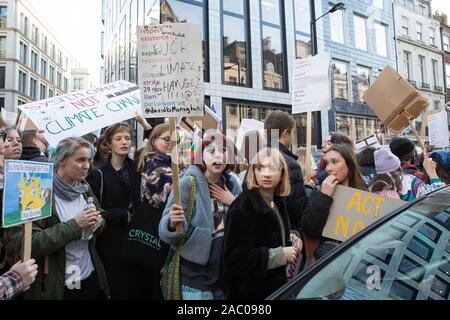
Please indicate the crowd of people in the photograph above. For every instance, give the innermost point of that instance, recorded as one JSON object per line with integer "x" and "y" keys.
{"x": 240, "y": 227}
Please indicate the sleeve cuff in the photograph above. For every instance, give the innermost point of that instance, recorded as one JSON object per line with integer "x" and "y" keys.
{"x": 276, "y": 258}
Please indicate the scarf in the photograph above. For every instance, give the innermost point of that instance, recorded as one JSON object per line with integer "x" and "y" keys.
{"x": 68, "y": 192}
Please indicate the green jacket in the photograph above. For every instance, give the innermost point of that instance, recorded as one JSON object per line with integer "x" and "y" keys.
{"x": 49, "y": 238}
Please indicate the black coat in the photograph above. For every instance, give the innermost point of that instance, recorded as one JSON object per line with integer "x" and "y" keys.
{"x": 118, "y": 193}
{"x": 316, "y": 214}
{"x": 33, "y": 154}
{"x": 252, "y": 228}
{"x": 296, "y": 202}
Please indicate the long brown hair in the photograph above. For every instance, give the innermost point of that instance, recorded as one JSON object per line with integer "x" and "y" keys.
{"x": 347, "y": 152}
{"x": 157, "y": 132}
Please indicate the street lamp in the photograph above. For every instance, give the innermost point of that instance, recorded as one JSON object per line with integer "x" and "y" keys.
{"x": 336, "y": 7}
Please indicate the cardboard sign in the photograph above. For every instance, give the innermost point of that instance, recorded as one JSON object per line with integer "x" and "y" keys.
{"x": 27, "y": 193}
{"x": 311, "y": 84}
{"x": 78, "y": 113}
{"x": 200, "y": 124}
{"x": 438, "y": 129}
{"x": 371, "y": 141}
{"x": 353, "y": 210}
{"x": 394, "y": 100}
{"x": 171, "y": 70}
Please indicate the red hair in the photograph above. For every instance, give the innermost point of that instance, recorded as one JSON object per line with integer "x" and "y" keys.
{"x": 207, "y": 140}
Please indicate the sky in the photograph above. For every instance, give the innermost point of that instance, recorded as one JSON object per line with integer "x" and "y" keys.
{"x": 77, "y": 25}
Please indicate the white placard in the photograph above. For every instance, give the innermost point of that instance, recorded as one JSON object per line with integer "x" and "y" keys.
{"x": 9, "y": 117}
{"x": 78, "y": 113}
{"x": 370, "y": 141}
{"x": 171, "y": 70}
{"x": 438, "y": 129}
{"x": 246, "y": 126}
{"x": 311, "y": 84}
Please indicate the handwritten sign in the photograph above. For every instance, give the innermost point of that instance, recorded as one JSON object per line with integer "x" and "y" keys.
{"x": 246, "y": 126}
{"x": 27, "y": 194}
{"x": 311, "y": 84}
{"x": 171, "y": 70}
{"x": 370, "y": 141}
{"x": 438, "y": 129}
{"x": 353, "y": 210}
{"x": 78, "y": 113}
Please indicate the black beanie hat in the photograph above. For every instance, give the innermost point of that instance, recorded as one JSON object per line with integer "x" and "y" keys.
{"x": 402, "y": 148}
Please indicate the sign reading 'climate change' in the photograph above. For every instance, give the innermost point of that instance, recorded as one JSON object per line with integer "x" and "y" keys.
{"x": 170, "y": 70}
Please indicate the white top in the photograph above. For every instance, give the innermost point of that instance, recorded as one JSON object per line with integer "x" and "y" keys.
{"x": 77, "y": 252}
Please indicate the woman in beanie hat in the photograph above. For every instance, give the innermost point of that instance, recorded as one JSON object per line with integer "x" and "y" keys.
{"x": 412, "y": 187}
{"x": 442, "y": 159}
{"x": 405, "y": 150}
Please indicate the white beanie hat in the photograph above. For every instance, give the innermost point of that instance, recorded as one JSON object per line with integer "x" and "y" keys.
{"x": 386, "y": 161}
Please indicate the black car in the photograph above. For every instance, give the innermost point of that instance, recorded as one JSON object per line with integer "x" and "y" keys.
{"x": 404, "y": 256}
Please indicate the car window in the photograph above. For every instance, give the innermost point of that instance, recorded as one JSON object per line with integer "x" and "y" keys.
{"x": 407, "y": 257}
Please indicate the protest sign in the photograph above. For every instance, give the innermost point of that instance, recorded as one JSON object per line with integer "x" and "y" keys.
{"x": 438, "y": 129}
{"x": 246, "y": 126}
{"x": 371, "y": 141}
{"x": 9, "y": 117}
{"x": 200, "y": 124}
{"x": 353, "y": 210}
{"x": 394, "y": 100}
{"x": 27, "y": 192}
{"x": 171, "y": 70}
{"x": 311, "y": 84}
{"x": 78, "y": 113}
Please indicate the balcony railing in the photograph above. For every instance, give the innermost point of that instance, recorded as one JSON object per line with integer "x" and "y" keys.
{"x": 425, "y": 86}
{"x": 413, "y": 83}
{"x": 437, "y": 88}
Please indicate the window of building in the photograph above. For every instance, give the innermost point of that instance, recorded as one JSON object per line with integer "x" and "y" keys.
{"x": 78, "y": 84}
{"x": 360, "y": 32}
{"x": 447, "y": 75}
{"x": 302, "y": 46}
{"x": 2, "y": 102}
{"x": 3, "y": 16}
{"x": 302, "y": 16}
{"x": 356, "y": 127}
{"x": 363, "y": 81}
{"x": 22, "y": 82}
{"x": 422, "y": 70}
{"x": 66, "y": 84}
{"x": 44, "y": 43}
{"x": 235, "y": 44}
{"x": 44, "y": 68}
{"x": 33, "y": 88}
{"x": 405, "y": 23}
{"x": 132, "y": 65}
{"x": 434, "y": 65}
{"x": 24, "y": 24}
{"x": 337, "y": 25}
{"x": 23, "y": 52}
{"x": 2, "y": 77}
{"x": 340, "y": 80}
{"x": 273, "y": 46}
{"x": 51, "y": 74}
{"x": 43, "y": 93}
{"x": 432, "y": 37}
{"x": 380, "y": 36}
{"x": 53, "y": 52}
{"x": 122, "y": 40}
{"x": 152, "y": 12}
{"x": 2, "y": 47}
{"x": 378, "y": 4}
{"x": 20, "y": 102}
{"x": 59, "y": 80}
{"x": 189, "y": 11}
{"x": 407, "y": 62}
{"x": 419, "y": 31}
{"x": 35, "y": 34}
{"x": 51, "y": 93}
{"x": 445, "y": 42}
{"x": 34, "y": 61}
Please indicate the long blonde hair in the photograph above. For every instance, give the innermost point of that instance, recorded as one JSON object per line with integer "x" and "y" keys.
{"x": 157, "y": 132}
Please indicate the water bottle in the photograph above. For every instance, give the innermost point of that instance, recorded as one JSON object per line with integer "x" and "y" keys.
{"x": 86, "y": 234}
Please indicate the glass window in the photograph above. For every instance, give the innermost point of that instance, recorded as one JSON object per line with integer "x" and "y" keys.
{"x": 2, "y": 102}
{"x": 363, "y": 80}
{"x": 43, "y": 93}
{"x": 66, "y": 84}
{"x": 422, "y": 70}
{"x": 407, "y": 62}
{"x": 132, "y": 70}
{"x": 447, "y": 75}
{"x": 395, "y": 261}
{"x": 22, "y": 82}
{"x": 380, "y": 33}
{"x": 273, "y": 58}
{"x": 44, "y": 68}
{"x": 59, "y": 80}
{"x": 2, "y": 77}
{"x": 419, "y": 31}
{"x": 360, "y": 32}
{"x": 2, "y": 47}
{"x": 51, "y": 94}
{"x": 234, "y": 6}
{"x": 3, "y": 16}
{"x": 33, "y": 88}
{"x": 34, "y": 61}
{"x": 405, "y": 29}
{"x": 51, "y": 74}
{"x": 432, "y": 37}
{"x": 122, "y": 37}
{"x": 302, "y": 46}
{"x": 23, "y": 52}
{"x": 340, "y": 80}
{"x": 270, "y": 10}
{"x": 180, "y": 11}
{"x": 337, "y": 25}
{"x": 302, "y": 16}
{"x": 235, "y": 48}
{"x": 378, "y": 3}
{"x": 434, "y": 64}
{"x": 445, "y": 42}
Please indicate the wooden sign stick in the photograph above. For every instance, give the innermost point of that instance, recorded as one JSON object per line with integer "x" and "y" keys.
{"x": 175, "y": 168}
{"x": 419, "y": 140}
{"x": 308, "y": 145}
{"x": 26, "y": 241}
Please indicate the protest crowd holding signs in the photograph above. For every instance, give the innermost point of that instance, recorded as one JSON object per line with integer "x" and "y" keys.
{"x": 172, "y": 222}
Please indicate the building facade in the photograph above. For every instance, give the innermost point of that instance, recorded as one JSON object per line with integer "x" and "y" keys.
{"x": 419, "y": 50}
{"x": 445, "y": 38}
{"x": 80, "y": 79}
{"x": 33, "y": 63}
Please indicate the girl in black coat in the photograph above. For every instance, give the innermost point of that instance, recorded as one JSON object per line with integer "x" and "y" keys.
{"x": 115, "y": 185}
{"x": 258, "y": 242}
